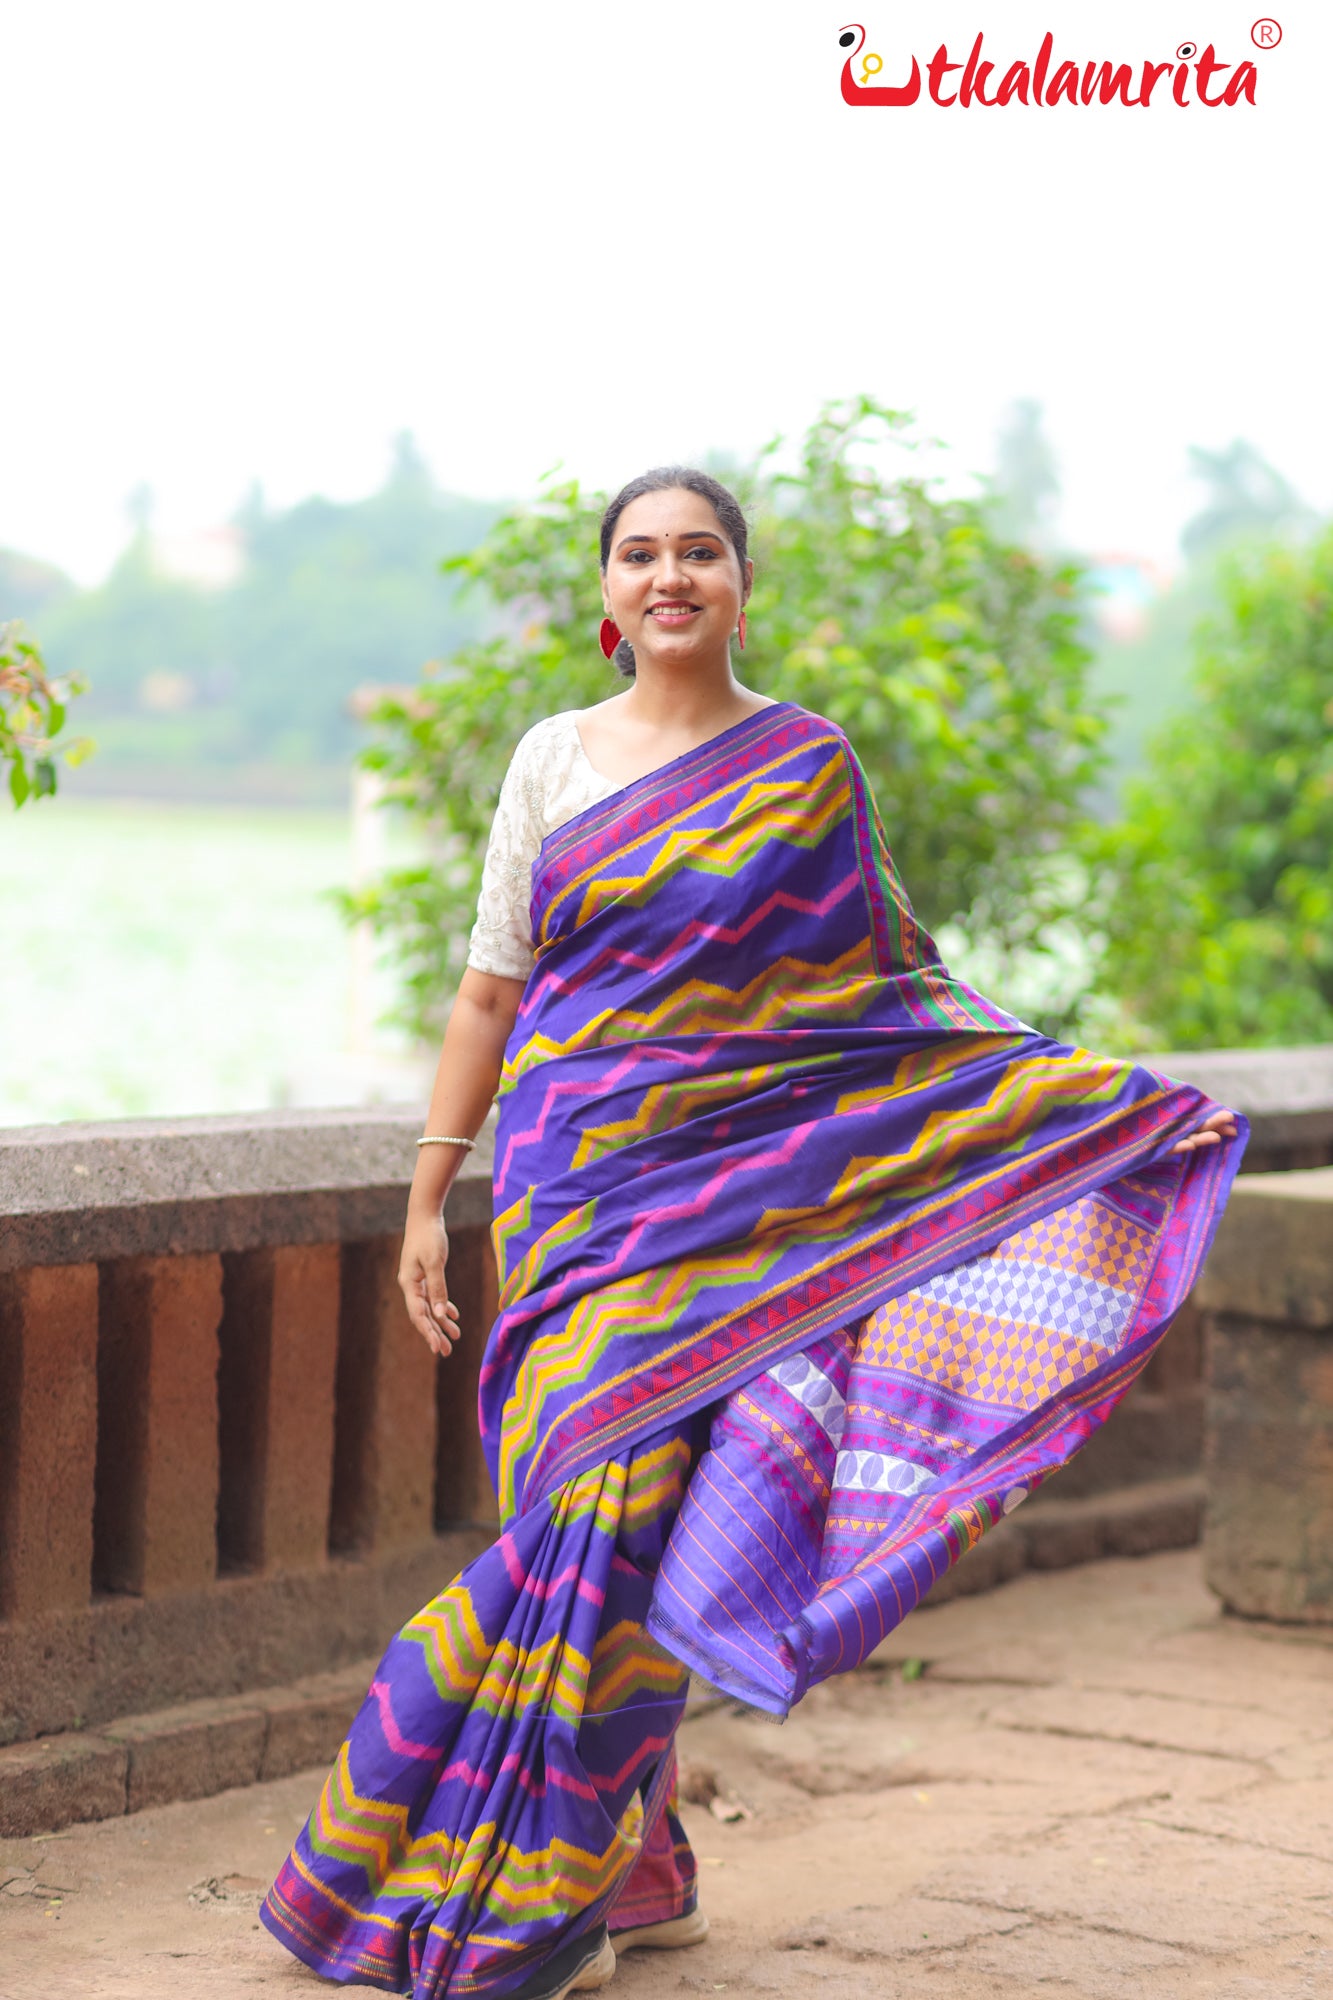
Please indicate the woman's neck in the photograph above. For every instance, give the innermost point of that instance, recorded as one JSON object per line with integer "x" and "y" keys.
{"x": 687, "y": 702}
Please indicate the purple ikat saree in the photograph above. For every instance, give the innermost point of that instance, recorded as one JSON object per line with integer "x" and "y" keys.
{"x": 753, "y": 1136}
{"x": 813, "y": 1264}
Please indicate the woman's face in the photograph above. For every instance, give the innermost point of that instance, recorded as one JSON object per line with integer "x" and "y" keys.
{"x": 673, "y": 583}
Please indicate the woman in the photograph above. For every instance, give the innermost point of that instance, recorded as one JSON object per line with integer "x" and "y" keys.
{"x": 812, "y": 1263}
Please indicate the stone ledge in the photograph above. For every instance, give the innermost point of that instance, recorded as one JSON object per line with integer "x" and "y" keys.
{"x": 189, "y": 1752}
{"x": 49, "y": 1784}
{"x": 82, "y": 1193}
{"x": 1058, "y": 1534}
{"x": 124, "y": 1655}
{"x": 201, "y": 1747}
{"x": 1272, "y": 1257}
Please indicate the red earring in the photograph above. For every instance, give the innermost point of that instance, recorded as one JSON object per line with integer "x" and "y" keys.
{"x": 740, "y": 631}
{"x": 608, "y": 637}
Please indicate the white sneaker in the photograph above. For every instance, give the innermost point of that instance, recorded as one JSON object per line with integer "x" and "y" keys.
{"x": 692, "y": 1928}
{"x": 598, "y": 1973}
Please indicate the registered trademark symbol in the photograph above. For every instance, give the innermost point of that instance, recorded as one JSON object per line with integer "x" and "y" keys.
{"x": 1265, "y": 34}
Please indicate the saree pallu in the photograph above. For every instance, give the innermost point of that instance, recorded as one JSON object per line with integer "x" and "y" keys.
{"x": 813, "y": 1264}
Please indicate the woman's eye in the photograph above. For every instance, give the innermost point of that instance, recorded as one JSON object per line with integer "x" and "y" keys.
{"x": 703, "y": 550}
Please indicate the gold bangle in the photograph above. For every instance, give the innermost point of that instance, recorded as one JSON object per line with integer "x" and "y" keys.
{"x": 437, "y": 1139}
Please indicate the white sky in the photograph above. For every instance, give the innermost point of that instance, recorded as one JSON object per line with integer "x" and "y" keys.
{"x": 256, "y": 240}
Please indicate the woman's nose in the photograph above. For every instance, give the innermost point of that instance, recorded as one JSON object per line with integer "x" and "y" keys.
{"x": 671, "y": 572}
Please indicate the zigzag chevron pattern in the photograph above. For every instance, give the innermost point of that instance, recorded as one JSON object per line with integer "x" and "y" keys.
{"x": 727, "y": 1081}
{"x": 813, "y": 1263}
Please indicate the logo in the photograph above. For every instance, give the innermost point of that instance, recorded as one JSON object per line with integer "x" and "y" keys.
{"x": 1192, "y": 77}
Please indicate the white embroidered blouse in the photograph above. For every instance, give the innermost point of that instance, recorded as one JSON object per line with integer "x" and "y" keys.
{"x": 549, "y": 780}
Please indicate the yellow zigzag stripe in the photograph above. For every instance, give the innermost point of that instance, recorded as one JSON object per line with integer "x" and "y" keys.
{"x": 917, "y": 1072}
{"x": 456, "y": 1649}
{"x": 527, "y": 1272}
{"x": 509, "y": 1222}
{"x": 760, "y": 781}
{"x": 762, "y": 815}
{"x": 657, "y": 1480}
{"x": 668, "y": 1105}
{"x": 365, "y": 1833}
{"x": 999, "y": 1124}
{"x": 789, "y": 991}
{"x": 626, "y": 1663}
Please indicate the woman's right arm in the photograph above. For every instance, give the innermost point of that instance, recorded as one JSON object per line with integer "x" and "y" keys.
{"x": 465, "y": 1085}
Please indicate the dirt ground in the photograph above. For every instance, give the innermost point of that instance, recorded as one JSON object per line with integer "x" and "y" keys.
{"x": 1098, "y": 1787}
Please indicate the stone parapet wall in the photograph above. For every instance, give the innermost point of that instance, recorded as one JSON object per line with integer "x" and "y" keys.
{"x": 1157, "y": 1433}
{"x": 226, "y": 1458}
{"x": 227, "y": 1462}
{"x": 1267, "y": 1297}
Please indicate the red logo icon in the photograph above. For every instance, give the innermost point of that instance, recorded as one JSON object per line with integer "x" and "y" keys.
{"x": 1265, "y": 34}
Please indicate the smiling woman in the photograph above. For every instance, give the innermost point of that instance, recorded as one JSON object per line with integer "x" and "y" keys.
{"x": 813, "y": 1263}
{"x": 694, "y": 531}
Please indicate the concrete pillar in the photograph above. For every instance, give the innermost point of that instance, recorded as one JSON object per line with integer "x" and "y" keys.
{"x": 1267, "y": 1294}
{"x": 48, "y": 1437}
{"x": 278, "y": 1361}
{"x": 155, "y": 1526}
{"x": 384, "y": 1453}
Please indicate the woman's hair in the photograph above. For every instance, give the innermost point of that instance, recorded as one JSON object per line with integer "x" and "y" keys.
{"x": 664, "y": 479}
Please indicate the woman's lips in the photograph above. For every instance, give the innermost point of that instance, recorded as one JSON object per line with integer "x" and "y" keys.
{"x": 673, "y": 614}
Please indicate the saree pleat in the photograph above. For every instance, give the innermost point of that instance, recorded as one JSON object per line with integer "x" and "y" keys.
{"x": 814, "y": 1264}
{"x": 512, "y": 1767}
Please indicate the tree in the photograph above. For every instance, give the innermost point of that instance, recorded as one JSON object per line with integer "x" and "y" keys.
{"x": 32, "y": 716}
{"x": 950, "y": 656}
{"x": 260, "y": 669}
{"x": 1026, "y": 485}
{"x": 28, "y": 585}
{"x": 1219, "y": 923}
{"x": 1246, "y": 497}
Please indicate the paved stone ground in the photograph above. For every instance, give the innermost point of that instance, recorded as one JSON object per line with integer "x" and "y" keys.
{"x": 1098, "y": 1787}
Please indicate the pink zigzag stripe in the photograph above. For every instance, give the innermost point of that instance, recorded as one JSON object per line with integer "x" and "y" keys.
{"x": 540, "y": 1302}
{"x": 620, "y": 1071}
{"x": 695, "y": 932}
{"x": 516, "y": 1765}
{"x": 402, "y": 1746}
{"x": 540, "y": 1589}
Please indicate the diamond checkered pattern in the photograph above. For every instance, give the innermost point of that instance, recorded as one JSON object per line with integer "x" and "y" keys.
{"x": 1069, "y": 1302}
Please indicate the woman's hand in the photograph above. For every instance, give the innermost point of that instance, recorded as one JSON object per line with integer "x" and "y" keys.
{"x": 1222, "y": 1125}
{"x": 421, "y": 1275}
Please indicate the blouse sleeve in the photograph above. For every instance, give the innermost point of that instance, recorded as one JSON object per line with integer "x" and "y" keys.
{"x": 501, "y": 940}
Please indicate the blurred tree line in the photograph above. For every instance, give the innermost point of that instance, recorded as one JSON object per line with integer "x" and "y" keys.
{"x": 1213, "y": 899}
{"x": 950, "y": 637}
{"x": 960, "y": 653}
{"x": 327, "y": 596}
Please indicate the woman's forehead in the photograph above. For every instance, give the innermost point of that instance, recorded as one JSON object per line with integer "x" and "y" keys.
{"x": 672, "y": 513}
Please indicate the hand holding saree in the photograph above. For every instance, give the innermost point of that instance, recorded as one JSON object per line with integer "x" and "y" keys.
{"x": 813, "y": 1263}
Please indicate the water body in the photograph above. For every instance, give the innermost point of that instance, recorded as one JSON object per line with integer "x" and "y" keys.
{"x": 162, "y": 959}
